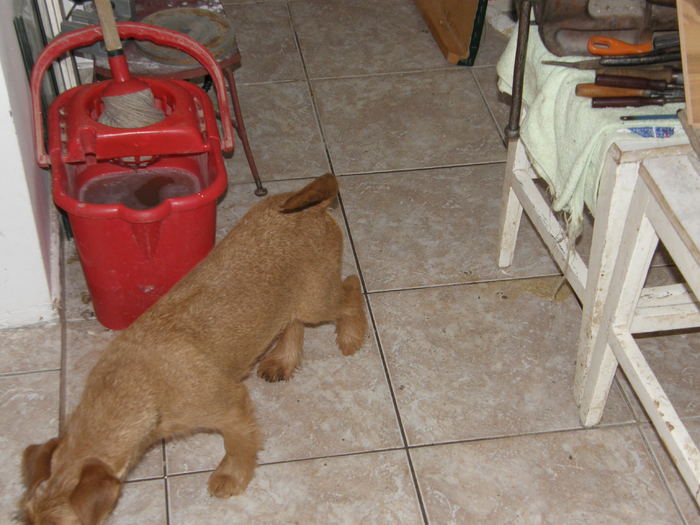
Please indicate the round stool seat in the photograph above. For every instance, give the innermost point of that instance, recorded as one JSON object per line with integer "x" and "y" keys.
{"x": 210, "y": 29}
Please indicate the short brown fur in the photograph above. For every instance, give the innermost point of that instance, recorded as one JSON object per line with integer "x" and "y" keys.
{"x": 179, "y": 368}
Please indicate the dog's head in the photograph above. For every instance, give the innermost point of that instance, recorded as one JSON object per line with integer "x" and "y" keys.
{"x": 59, "y": 493}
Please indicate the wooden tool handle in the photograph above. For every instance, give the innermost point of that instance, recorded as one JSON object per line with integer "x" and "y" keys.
{"x": 108, "y": 25}
{"x": 629, "y": 82}
{"x": 625, "y": 102}
{"x": 664, "y": 73}
{"x": 594, "y": 90}
{"x": 638, "y": 60}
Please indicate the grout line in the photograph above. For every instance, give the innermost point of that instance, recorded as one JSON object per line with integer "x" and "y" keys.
{"x": 406, "y": 448}
{"x": 627, "y": 400}
{"x": 397, "y": 412}
{"x": 331, "y": 456}
{"x": 28, "y": 372}
{"x": 466, "y": 283}
{"x": 166, "y": 484}
{"x": 387, "y": 375}
{"x": 437, "y": 69}
{"x": 309, "y": 87}
{"x": 139, "y": 480}
{"x": 166, "y": 492}
{"x": 535, "y": 433}
{"x": 660, "y": 472}
{"x": 352, "y": 244}
{"x": 423, "y": 168}
{"x": 63, "y": 375}
{"x": 416, "y": 486}
{"x": 271, "y": 82}
{"x": 488, "y": 108}
{"x": 376, "y": 172}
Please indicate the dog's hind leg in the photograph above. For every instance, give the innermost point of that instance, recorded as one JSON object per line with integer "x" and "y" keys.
{"x": 281, "y": 361}
{"x": 351, "y": 324}
{"x": 242, "y": 441}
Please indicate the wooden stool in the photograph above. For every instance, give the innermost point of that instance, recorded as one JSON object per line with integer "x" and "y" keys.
{"x": 663, "y": 207}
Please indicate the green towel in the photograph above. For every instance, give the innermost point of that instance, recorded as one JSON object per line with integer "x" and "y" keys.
{"x": 565, "y": 138}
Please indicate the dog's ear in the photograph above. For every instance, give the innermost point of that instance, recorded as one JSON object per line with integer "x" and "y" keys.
{"x": 96, "y": 493}
{"x": 36, "y": 463}
{"x": 319, "y": 192}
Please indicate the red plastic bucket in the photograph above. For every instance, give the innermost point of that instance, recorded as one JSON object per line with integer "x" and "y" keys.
{"x": 141, "y": 202}
{"x": 131, "y": 257}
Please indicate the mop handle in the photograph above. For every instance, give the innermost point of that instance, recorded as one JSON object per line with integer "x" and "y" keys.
{"x": 109, "y": 27}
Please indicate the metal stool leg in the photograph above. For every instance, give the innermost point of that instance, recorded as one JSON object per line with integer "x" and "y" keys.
{"x": 239, "y": 126}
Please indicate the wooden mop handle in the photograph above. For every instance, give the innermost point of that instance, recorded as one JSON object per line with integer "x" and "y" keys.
{"x": 108, "y": 25}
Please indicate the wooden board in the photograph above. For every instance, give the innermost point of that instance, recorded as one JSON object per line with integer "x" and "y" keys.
{"x": 689, "y": 29}
{"x": 451, "y": 23}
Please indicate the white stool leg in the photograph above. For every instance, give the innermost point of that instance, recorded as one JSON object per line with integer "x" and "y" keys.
{"x": 639, "y": 241}
{"x": 615, "y": 192}
{"x": 511, "y": 211}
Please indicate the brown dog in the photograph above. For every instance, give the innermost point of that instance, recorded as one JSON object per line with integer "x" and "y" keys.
{"x": 179, "y": 368}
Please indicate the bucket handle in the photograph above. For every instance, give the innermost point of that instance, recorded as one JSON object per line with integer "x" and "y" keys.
{"x": 158, "y": 35}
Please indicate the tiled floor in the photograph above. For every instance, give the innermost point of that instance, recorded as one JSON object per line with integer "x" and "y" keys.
{"x": 459, "y": 408}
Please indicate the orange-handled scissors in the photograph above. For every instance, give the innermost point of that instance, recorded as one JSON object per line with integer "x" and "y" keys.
{"x": 605, "y": 45}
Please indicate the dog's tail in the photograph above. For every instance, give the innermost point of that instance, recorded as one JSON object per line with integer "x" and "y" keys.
{"x": 320, "y": 192}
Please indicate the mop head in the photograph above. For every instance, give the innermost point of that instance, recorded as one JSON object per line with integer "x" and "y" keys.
{"x": 133, "y": 110}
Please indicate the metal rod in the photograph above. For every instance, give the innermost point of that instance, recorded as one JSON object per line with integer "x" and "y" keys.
{"x": 512, "y": 130}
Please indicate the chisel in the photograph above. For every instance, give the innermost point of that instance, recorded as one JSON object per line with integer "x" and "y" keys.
{"x": 649, "y": 117}
{"x": 654, "y": 72}
{"x": 623, "y": 102}
{"x": 596, "y": 90}
{"x": 630, "y": 82}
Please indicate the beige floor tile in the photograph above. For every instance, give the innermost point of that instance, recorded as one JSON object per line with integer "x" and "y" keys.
{"x": 30, "y": 349}
{"x": 678, "y": 488}
{"x": 665, "y": 273}
{"x": 78, "y": 301}
{"x": 333, "y": 405}
{"x": 498, "y": 104}
{"x": 85, "y": 342}
{"x": 141, "y": 502}
{"x": 368, "y": 488}
{"x": 283, "y": 133}
{"x": 483, "y": 360}
{"x": 340, "y": 38}
{"x": 435, "y": 227}
{"x": 29, "y": 415}
{"x": 491, "y": 47}
{"x": 274, "y": 57}
{"x": 406, "y": 121}
{"x": 592, "y": 476}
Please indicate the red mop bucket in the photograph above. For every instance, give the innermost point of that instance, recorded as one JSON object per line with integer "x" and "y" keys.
{"x": 141, "y": 202}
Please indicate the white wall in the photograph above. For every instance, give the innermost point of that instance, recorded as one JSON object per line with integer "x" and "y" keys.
{"x": 28, "y": 237}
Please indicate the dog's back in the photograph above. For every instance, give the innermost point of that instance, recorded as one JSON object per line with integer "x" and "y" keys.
{"x": 276, "y": 264}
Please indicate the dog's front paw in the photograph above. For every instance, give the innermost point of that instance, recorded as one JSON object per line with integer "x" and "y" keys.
{"x": 273, "y": 371}
{"x": 225, "y": 486}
